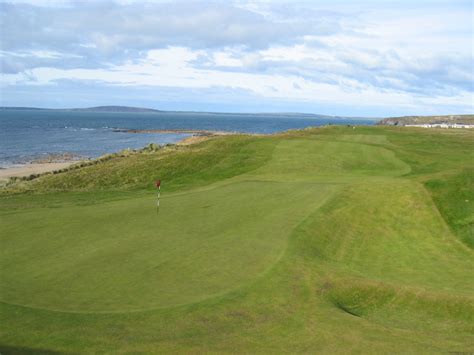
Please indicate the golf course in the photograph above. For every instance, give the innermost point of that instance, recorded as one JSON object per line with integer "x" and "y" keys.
{"x": 335, "y": 239}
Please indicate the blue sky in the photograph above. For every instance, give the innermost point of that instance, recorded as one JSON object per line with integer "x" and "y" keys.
{"x": 355, "y": 58}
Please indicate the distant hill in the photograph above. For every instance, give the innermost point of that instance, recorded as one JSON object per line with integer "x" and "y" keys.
{"x": 115, "y": 109}
{"x": 409, "y": 120}
{"x": 90, "y": 109}
{"x": 141, "y": 109}
{"x": 5, "y": 108}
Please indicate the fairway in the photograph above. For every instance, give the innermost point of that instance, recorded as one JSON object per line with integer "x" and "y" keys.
{"x": 319, "y": 159}
{"x": 328, "y": 240}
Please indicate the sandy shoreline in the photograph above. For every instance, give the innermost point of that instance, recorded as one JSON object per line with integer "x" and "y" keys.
{"x": 47, "y": 166}
{"x": 32, "y": 168}
{"x": 200, "y": 132}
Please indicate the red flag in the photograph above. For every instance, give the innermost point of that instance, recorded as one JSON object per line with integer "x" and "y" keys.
{"x": 158, "y": 183}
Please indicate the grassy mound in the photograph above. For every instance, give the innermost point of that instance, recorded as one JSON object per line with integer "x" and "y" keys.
{"x": 323, "y": 240}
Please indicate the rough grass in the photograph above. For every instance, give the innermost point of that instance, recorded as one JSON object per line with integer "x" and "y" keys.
{"x": 454, "y": 194}
{"x": 388, "y": 232}
{"x": 327, "y": 240}
{"x": 179, "y": 166}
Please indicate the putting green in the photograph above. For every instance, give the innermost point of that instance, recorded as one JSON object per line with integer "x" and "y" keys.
{"x": 123, "y": 256}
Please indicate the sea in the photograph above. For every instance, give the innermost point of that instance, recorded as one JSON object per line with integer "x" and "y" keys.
{"x": 32, "y": 135}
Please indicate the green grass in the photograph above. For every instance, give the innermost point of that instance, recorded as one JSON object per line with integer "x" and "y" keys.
{"x": 327, "y": 240}
{"x": 191, "y": 260}
{"x": 453, "y": 194}
{"x": 183, "y": 168}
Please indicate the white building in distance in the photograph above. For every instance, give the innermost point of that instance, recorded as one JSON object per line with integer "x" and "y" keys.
{"x": 441, "y": 125}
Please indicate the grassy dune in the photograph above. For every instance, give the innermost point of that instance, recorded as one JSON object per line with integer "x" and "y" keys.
{"x": 328, "y": 240}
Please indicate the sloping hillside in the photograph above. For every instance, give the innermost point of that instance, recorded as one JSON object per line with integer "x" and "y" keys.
{"x": 327, "y": 240}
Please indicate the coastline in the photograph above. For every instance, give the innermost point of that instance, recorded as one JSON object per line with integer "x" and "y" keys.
{"x": 32, "y": 168}
{"x": 58, "y": 162}
{"x": 196, "y": 132}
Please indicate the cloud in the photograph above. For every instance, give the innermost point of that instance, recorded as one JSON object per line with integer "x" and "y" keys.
{"x": 112, "y": 29}
{"x": 413, "y": 56}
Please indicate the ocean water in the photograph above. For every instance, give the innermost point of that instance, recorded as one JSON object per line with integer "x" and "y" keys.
{"x": 27, "y": 135}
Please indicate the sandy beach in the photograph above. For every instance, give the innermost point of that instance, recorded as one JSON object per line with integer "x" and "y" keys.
{"x": 33, "y": 168}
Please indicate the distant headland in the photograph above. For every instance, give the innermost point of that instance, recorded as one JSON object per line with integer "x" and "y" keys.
{"x": 88, "y": 109}
{"x": 129, "y": 109}
{"x": 467, "y": 119}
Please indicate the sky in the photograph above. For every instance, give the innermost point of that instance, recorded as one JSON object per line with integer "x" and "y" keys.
{"x": 348, "y": 58}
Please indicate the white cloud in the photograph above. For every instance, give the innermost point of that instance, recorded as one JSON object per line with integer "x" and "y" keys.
{"x": 371, "y": 55}
{"x": 173, "y": 68}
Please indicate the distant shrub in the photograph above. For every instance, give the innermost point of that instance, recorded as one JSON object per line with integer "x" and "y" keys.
{"x": 152, "y": 147}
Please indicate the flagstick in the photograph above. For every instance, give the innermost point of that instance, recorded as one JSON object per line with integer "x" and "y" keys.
{"x": 158, "y": 200}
